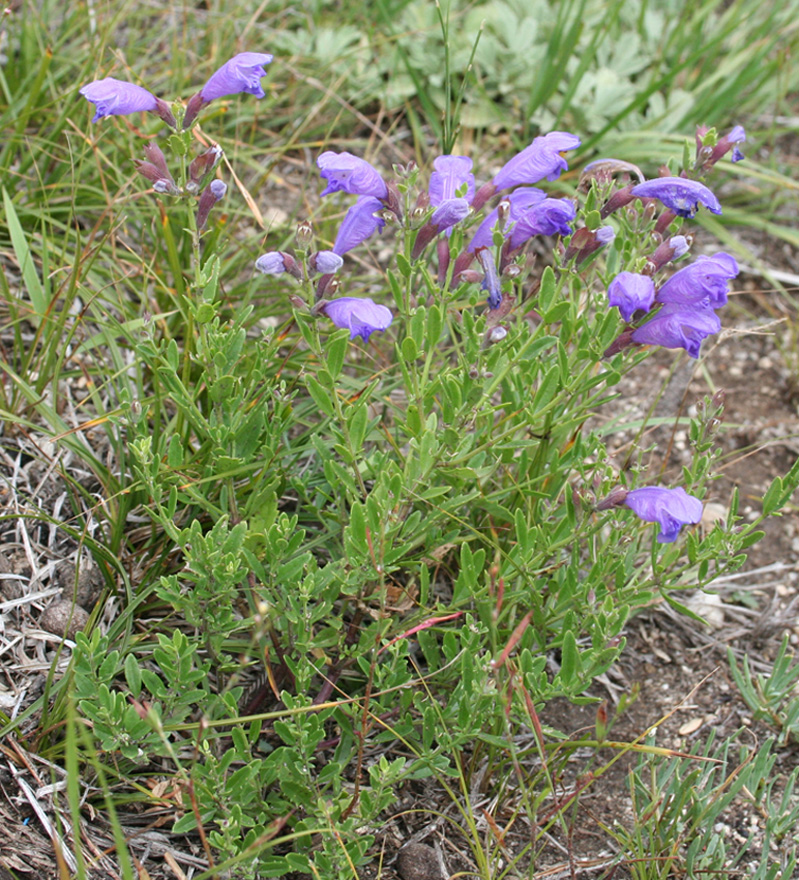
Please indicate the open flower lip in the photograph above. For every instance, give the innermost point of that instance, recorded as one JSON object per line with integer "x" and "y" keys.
{"x": 706, "y": 280}
{"x": 670, "y": 508}
{"x": 631, "y": 292}
{"x": 359, "y": 315}
{"x": 681, "y": 195}
{"x": 678, "y": 326}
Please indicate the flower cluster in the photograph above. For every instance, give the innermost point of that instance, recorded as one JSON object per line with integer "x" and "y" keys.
{"x": 452, "y": 197}
{"x": 113, "y": 97}
{"x": 687, "y": 303}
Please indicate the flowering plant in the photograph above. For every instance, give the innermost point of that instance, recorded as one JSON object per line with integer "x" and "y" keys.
{"x": 386, "y": 435}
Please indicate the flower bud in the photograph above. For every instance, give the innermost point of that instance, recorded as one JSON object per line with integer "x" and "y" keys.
{"x": 615, "y": 499}
{"x": 304, "y": 235}
{"x": 215, "y": 191}
{"x": 202, "y": 165}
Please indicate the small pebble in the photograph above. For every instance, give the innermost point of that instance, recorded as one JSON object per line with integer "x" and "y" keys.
{"x": 64, "y": 619}
{"x": 416, "y": 861}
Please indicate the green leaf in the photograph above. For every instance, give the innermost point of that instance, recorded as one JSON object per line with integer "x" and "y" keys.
{"x": 27, "y": 267}
{"x": 336, "y": 351}
{"x": 320, "y": 395}
{"x": 133, "y": 674}
{"x": 547, "y": 290}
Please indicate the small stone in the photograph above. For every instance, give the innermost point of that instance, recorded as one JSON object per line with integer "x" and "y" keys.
{"x": 416, "y": 861}
{"x": 64, "y": 618}
{"x": 83, "y": 583}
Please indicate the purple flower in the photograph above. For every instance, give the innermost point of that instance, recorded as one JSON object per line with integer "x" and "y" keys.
{"x": 450, "y": 212}
{"x": 242, "y": 73}
{"x": 359, "y": 223}
{"x": 630, "y": 292}
{"x": 681, "y": 195}
{"x": 360, "y": 316}
{"x": 326, "y": 262}
{"x": 451, "y": 173}
{"x": 704, "y": 282}
{"x": 670, "y": 508}
{"x": 549, "y": 217}
{"x": 351, "y": 174}
{"x": 491, "y": 280}
{"x": 519, "y": 201}
{"x": 678, "y": 326}
{"x": 540, "y": 160}
{"x": 113, "y": 97}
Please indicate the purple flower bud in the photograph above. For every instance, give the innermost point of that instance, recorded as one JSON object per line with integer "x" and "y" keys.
{"x": 678, "y": 326}
{"x": 278, "y": 262}
{"x": 215, "y": 191}
{"x": 491, "y": 280}
{"x": 451, "y": 173}
{"x": 540, "y": 160}
{"x": 326, "y": 262}
{"x": 155, "y": 154}
{"x": 361, "y": 221}
{"x": 704, "y": 282}
{"x": 630, "y": 292}
{"x": 242, "y": 73}
{"x": 160, "y": 182}
{"x": 671, "y": 249}
{"x": 681, "y": 195}
{"x": 618, "y": 199}
{"x": 670, "y": 508}
{"x": 271, "y": 263}
{"x": 708, "y": 155}
{"x": 358, "y": 315}
{"x": 351, "y": 174}
{"x": 615, "y": 499}
{"x": 113, "y": 97}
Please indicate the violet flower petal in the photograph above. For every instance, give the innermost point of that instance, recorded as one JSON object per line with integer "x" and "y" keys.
{"x": 450, "y": 212}
{"x": 327, "y": 262}
{"x": 520, "y": 201}
{"x": 548, "y": 217}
